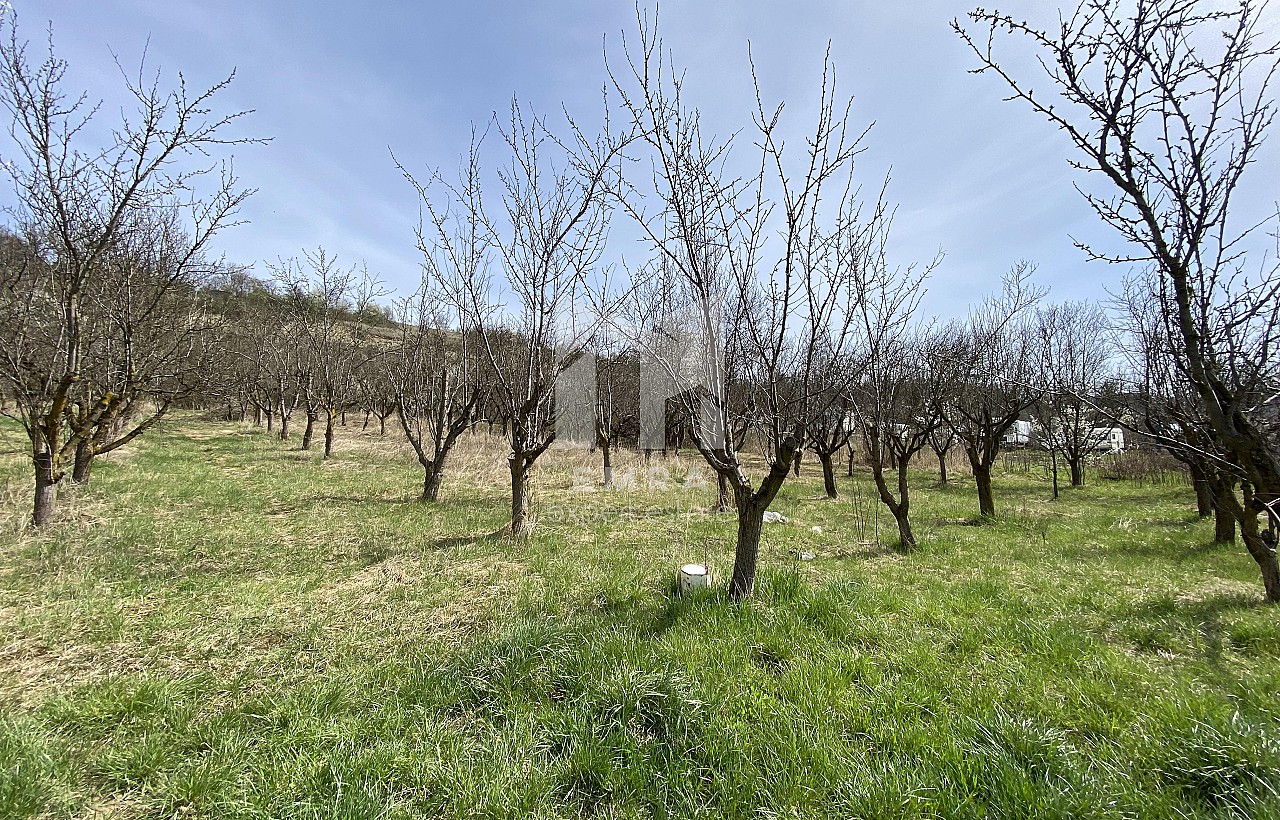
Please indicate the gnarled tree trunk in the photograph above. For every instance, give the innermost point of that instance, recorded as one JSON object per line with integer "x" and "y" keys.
{"x": 83, "y": 468}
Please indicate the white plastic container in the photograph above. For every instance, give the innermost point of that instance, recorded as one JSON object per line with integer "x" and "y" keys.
{"x": 693, "y": 576}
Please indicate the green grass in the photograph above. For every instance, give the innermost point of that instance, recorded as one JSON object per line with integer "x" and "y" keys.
{"x": 222, "y": 626}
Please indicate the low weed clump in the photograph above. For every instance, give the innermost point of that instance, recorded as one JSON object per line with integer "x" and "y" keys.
{"x": 224, "y": 626}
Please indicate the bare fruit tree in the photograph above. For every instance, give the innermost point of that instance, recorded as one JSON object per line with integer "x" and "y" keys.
{"x": 329, "y": 305}
{"x": 1075, "y": 359}
{"x": 989, "y": 364}
{"x": 77, "y": 201}
{"x": 1167, "y": 103}
{"x": 537, "y": 244}
{"x": 893, "y": 397}
{"x": 709, "y": 228}
{"x": 434, "y": 400}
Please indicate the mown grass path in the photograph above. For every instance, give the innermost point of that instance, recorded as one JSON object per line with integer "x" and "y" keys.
{"x": 222, "y": 626}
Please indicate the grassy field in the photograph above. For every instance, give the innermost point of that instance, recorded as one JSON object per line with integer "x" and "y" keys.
{"x": 223, "y": 626}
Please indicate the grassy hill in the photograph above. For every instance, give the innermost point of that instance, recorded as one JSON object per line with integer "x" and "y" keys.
{"x": 223, "y": 626}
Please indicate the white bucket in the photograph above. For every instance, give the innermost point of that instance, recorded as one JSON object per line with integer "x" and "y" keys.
{"x": 693, "y": 576}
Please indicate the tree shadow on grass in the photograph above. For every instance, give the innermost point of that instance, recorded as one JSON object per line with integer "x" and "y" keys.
{"x": 451, "y": 542}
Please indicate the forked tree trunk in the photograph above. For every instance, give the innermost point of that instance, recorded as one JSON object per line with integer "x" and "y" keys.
{"x": 606, "y": 452}
{"x": 46, "y": 489}
{"x": 521, "y": 525}
{"x": 850, "y": 472}
{"x": 270, "y": 419}
{"x": 942, "y": 466}
{"x": 828, "y": 475}
{"x": 382, "y": 425}
{"x": 83, "y": 469}
{"x": 284, "y": 428}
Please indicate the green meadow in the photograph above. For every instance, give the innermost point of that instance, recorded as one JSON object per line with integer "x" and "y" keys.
{"x": 224, "y": 626}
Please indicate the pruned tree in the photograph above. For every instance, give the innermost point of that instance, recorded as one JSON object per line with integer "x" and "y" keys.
{"x": 1074, "y": 364}
{"x": 544, "y": 235}
{"x": 893, "y": 397}
{"x": 988, "y": 380}
{"x": 1167, "y": 103}
{"x": 78, "y": 204}
{"x": 434, "y": 400}
{"x": 941, "y": 440}
{"x": 1165, "y": 407}
{"x": 710, "y": 229}
{"x": 329, "y": 305}
{"x": 151, "y": 343}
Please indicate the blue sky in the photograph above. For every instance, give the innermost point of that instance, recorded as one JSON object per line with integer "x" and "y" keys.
{"x": 338, "y": 85}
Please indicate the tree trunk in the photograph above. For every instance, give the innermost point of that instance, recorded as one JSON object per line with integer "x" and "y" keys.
{"x": 284, "y": 428}
{"x": 270, "y": 419}
{"x": 1261, "y": 551}
{"x": 382, "y": 425}
{"x": 1224, "y": 523}
{"x": 607, "y": 453}
{"x": 328, "y": 434}
{"x": 83, "y": 468}
{"x": 906, "y": 538}
{"x": 1077, "y": 471}
{"x": 986, "y": 499}
{"x": 521, "y": 524}
{"x": 310, "y": 431}
{"x": 724, "y": 502}
{"x": 46, "y": 489}
{"x": 942, "y": 466}
{"x": 433, "y": 477}
{"x": 828, "y": 474}
{"x": 796, "y": 466}
{"x": 750, "y": 522}
{"x": 1204, "y": 492}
